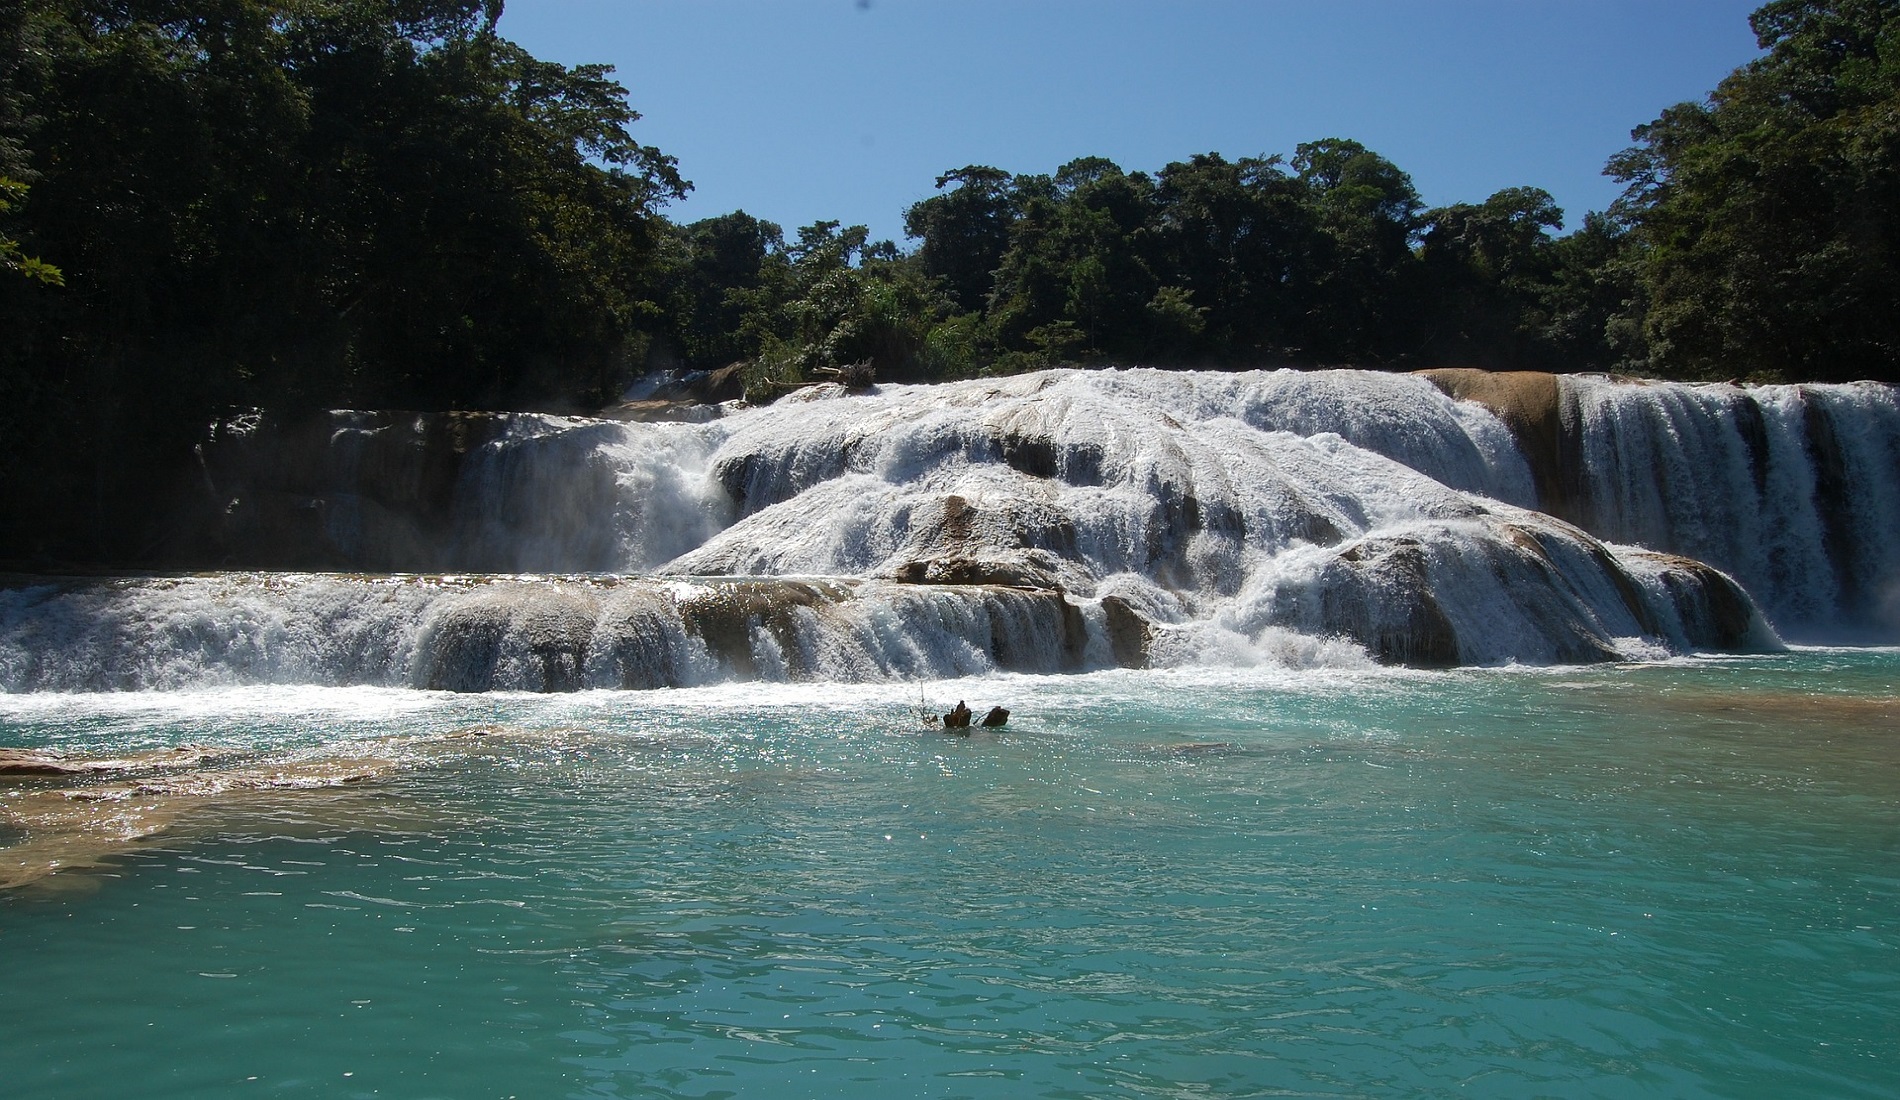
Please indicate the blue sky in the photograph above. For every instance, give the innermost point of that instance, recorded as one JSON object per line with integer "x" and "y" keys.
{"x": 797, "y": 110}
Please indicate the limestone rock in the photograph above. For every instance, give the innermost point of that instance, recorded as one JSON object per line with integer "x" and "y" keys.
{"x": 984, "y": 571}
{"x": 1531, "y": 404}
{"x": 1129, "y": 632}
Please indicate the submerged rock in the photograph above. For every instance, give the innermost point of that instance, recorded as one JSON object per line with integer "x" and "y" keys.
{"x": 53, "y": 762}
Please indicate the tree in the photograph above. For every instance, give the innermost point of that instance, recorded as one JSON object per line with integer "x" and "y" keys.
{"x": 727, "y": 268}
{"x": 1770, "y": 213}
{"x": 1077, "y": 260}
{"x": 1231, "y": 235}
{"x": 843, "y": 300}
{"x": 1489, "y": 266}
{"x": 290, "y": 204}
{"x": 965, "y": 231}
{"x": 1358, "y": 275}
{"x": 1593, "y": 302}
{"x": 11, "y": 257}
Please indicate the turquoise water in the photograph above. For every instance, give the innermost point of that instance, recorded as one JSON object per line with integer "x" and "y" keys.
{"x": 1676, "y": 880}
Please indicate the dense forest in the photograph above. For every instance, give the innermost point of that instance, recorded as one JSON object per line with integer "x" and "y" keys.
{"x": 215, "y": 205}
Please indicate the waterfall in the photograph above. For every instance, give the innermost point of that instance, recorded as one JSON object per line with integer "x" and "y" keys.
{"x": 1792, "y": 490}
{"x": 524, "y": 633}
{"x": 1048, "y": 522}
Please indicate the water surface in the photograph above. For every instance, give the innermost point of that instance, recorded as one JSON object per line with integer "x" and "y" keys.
{"x": 1667, "y": 880}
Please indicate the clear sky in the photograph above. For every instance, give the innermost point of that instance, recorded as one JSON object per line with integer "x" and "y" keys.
{"x": 800, "y": 110}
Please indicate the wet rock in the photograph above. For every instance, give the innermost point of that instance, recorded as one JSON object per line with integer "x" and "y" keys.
{"x": 1531, "y": 404}
{"x": 700, "y": 387}
{"x": 727, "y": 616}
{"x": 652, "y": 411}
{"x": 541, "y": 637}
{"x": 959, "y": 520}
{"x": 51, "y": 762}
{"x": 1715, "y": 612}
{"x": 998, "y": 716}
{"x": 642, "y": 642}
{"x": 958, "y": 718}
{"x": 1377, "y": 592}
{"x": 1032, "y": 455}
{"x": 1129, "y": 632}
{"x": 30, "y": 762}
{"x": 336, "y": 490}
{"x": 463, "y": 645}
{"x": 1834, "y": 498}
{"x": 976, "y": 571}
{"x": 1037, "y": 631}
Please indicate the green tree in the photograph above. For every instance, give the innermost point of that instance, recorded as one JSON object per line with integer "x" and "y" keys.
{"x": 1593, "y": 303}
{"x": 290, "y": 203}
{"x": 1231, "y": 235}
{"x": 1769, "y": 214}
{"x": 730, "y": 267}
{"x": 1077, "y": 258}
{"x": 843, "y": 301}
{"x": 1358, "y": 276}
{"x": 965, "y": 231}
{"x": 1489, "y": 266}
{"x": 11, "y": 256}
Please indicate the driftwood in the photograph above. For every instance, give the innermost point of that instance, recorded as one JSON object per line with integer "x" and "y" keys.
{"x": 861, "y": 375}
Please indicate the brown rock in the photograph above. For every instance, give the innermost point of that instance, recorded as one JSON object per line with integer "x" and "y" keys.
{"x": 975, "y": 571}
{"x": 1129, "y": 632}
{"x": 958, "y": 718}
{"x": 998, "y": 716}
{"x": 28, "y": 762}
{"x": 1715, "y": 612}
{"x": 50, "y": 762}
{"x": 1531, "y": 404}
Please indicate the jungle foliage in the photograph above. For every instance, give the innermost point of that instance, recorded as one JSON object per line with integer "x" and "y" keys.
{"x": 208, "y": 205}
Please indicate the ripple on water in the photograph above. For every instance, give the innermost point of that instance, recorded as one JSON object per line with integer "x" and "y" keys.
{"x": 1670, "y": 882}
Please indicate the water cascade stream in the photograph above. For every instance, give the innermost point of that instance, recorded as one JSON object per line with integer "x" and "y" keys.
{"x": 1056, "y": 521}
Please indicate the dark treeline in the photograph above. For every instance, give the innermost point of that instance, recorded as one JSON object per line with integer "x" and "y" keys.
{"x": 209, "y": 205}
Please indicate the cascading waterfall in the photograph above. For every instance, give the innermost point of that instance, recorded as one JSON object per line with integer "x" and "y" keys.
{"x": 1047, "y": 522}
{"x": 1792, "y": 490}
{"x": 531, "y": 633}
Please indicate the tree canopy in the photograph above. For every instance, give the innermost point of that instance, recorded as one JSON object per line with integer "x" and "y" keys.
{"x": 294, "y": 203}
{"x": 1769, "y": 214}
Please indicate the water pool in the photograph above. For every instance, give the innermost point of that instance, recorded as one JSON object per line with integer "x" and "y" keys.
{"x": 1674, "y": 880}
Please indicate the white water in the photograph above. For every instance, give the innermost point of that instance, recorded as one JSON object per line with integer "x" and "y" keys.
{"x": 1278, "y": 518}
{"x": 1792, "y": 490}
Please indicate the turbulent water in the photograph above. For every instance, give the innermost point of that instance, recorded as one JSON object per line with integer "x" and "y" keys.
{"x": 1058, "y": 521}
{"x": 1792, "y": 490}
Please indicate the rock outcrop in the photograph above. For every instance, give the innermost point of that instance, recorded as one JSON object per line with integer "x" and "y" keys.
{"x": 1531, "y": 404}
